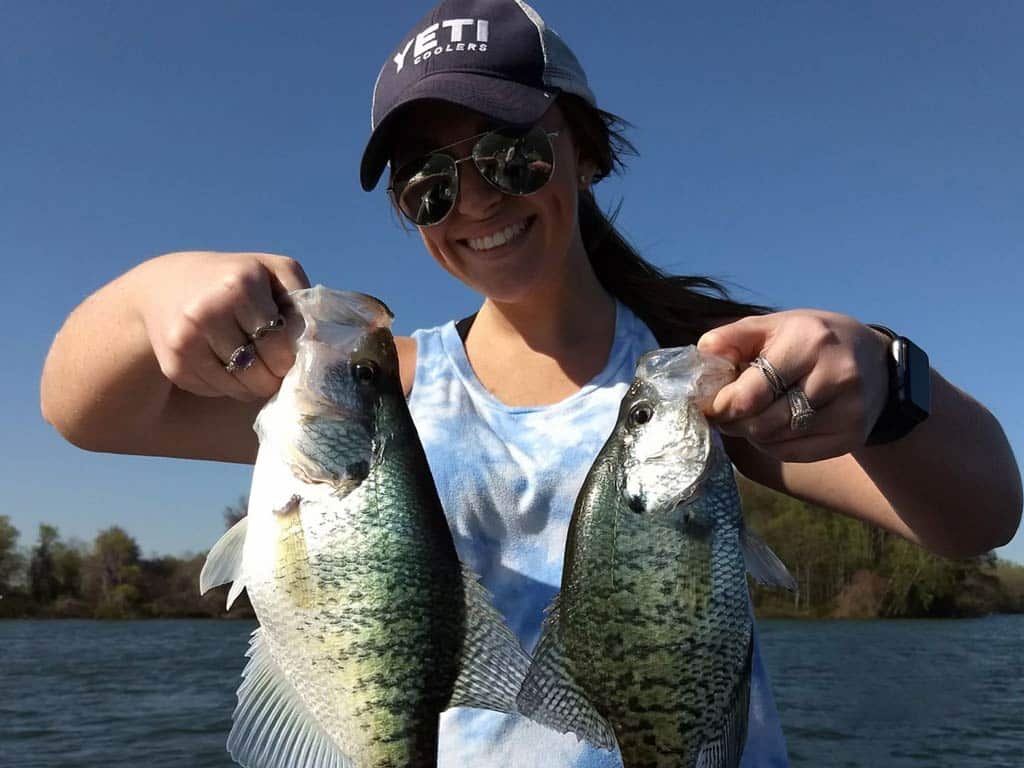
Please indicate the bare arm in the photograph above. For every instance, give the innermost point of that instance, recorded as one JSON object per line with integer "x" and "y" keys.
{"x": 138, "y": 366}
{"x": 952, "y": 485}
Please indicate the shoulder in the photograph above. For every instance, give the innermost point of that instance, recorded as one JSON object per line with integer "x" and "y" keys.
{"x": 406, "y": 346}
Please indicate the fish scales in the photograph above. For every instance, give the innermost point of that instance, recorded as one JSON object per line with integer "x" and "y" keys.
{"x": 369, "y": 624}
{"x": 648, "y": 644}
{"x": 656, "y": 649}
{"x": 387, "y": 587}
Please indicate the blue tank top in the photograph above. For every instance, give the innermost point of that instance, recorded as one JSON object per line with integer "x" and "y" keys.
{"x": 508, "y": 477}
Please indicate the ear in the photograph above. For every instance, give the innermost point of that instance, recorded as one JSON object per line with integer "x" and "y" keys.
{"x": 585, "y": 170}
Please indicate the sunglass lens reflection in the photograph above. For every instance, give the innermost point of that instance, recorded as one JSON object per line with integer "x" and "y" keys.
{"x": 426, "y": 193}
{"x": 515, "y": 163}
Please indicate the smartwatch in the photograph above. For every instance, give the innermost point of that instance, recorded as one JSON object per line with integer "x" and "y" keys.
{"x": 910, "y": 395}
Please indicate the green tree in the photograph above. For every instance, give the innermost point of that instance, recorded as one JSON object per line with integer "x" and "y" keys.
{"x": 112, "y": 573}
{"x": 43, "y": 583}
{"x": 67, "y": 561}
{"x": 11, "y": 561}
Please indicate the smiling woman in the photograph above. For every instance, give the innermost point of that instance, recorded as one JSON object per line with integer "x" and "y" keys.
{"x": 495, "y": 142}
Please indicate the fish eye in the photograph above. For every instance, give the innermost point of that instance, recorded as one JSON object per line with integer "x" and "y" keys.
{"x": 364, "y": 371}
{"x": 641, "y": 414}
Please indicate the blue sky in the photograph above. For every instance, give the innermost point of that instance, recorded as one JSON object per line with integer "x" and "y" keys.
{"x": 866, "y": 158}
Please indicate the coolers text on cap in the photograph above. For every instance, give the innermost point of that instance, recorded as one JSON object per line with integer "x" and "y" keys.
{"x": 429, "y": 44}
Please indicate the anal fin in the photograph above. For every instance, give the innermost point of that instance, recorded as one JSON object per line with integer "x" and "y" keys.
{"x": 272, "y": 727}
{"x": 494, "y": 664}
{"x": 551, "y": 696}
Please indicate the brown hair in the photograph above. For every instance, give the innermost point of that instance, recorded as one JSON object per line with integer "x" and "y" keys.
{"x": 677, "y": 308}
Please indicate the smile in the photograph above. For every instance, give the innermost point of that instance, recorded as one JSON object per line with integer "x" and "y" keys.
{"x": 502, "y": 237}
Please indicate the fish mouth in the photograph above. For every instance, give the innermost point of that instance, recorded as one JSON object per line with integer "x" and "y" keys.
{"x": 327, "y": 305}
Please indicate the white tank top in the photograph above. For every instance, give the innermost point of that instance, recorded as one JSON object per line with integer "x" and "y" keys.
{"x": 508, "y": 477}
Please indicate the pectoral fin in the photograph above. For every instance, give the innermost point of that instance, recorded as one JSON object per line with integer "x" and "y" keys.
{"x": 493, "y": 663}
{"x": 291, "y": 568}
{"x": 550, "y": 695}
{"x": 763, "y": 564}
{"x": 224, "y": 562}
{"x": 272, "y": 727}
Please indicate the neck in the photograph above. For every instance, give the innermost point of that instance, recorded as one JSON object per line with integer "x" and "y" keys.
{"x": 568, "y": 312}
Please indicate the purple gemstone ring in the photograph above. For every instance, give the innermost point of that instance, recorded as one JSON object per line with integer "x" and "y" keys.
{"x": 243, "y": 357}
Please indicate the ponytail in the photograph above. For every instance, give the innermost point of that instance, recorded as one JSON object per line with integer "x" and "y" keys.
{"x": 678, "y": 309}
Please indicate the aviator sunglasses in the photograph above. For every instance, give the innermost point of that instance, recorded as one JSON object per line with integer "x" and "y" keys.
{"x": 514, "y": 161}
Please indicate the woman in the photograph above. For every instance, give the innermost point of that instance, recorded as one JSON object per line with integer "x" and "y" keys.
{"x": 176, "y": 357}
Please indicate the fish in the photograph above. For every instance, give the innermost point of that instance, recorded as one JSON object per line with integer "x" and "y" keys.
{"x": 647, "y": 646}
{"x": 369, "y": 625}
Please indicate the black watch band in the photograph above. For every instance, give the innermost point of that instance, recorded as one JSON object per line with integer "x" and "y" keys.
{"x": 909, "y": 400}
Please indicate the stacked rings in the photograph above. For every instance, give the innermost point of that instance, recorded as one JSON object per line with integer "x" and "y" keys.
{"x": 244, "y": 357}
{"x": 800, "y": 411}
{"x": 775, "y": 380}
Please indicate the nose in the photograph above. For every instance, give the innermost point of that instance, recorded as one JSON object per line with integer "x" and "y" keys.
{"x": 477, "y": 198}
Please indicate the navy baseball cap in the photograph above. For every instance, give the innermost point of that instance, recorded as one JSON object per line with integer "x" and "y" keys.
{"x": 496, "y": 57}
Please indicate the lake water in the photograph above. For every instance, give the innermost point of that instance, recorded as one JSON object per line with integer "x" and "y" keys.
{"x": 892, "y": 694}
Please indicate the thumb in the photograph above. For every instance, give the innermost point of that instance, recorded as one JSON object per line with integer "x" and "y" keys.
{"x": 740, "y": 341}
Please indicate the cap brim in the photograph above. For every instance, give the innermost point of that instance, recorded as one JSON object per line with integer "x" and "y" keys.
{"x": 501, "y": 100}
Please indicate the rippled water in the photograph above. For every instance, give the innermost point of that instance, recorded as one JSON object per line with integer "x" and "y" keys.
{"x": 851, "y": 694}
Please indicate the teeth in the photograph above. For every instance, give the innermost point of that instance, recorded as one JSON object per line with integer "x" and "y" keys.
{"x": 498, "y": 238}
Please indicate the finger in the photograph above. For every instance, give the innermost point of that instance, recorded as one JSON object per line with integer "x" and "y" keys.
{"x": 752, "y": 392}
{"x": 740, "y": 341}
{"x": 224, "y": 337}
{"x": 774, "y": 425}
{"x": 257, "y": 309}
{"x": 277, "y": 351}
{"x": 286, "y": 274}
{"x": 746, "y": 397}
{"x": 198, "y": 361}
{"x": 185, "y": 358}
{"x": 181, "y": 376}
{"x": 211, "y": 370}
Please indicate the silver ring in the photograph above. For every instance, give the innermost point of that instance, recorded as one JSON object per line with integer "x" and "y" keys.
{"x": 267, "y": 328}
{"x": 242, "y": 358}
{"x": 800, "y": 410}
{"x": 775, "y": 380}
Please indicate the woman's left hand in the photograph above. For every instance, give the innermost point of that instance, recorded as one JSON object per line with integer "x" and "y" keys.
{"x": 839, "y": 363}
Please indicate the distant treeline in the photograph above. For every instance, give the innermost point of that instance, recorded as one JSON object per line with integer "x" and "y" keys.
{"x": 849, "y": 569}
{"x": 108, "y": 579}
{"x": 845, "y": 569}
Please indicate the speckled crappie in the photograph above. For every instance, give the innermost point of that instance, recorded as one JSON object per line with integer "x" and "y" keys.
{"x": 648, "y": 644}
{"x": 369, "y": 625}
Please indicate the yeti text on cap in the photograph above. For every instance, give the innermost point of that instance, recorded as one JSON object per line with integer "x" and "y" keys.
{"x": 428, "y": 44}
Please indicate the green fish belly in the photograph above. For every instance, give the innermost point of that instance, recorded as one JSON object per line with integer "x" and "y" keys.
{"x": 656, "y": 624}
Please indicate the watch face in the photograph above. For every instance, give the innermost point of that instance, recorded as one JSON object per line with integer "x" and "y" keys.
{"x": 915, "y": 375}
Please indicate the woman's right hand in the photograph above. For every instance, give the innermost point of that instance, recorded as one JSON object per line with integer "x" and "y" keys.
{"x": 200, "y": 306}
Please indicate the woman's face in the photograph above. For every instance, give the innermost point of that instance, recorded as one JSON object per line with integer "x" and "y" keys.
{"x": 542, "y": 244}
